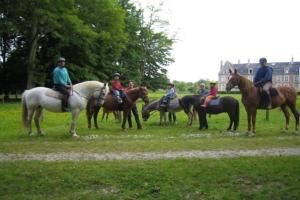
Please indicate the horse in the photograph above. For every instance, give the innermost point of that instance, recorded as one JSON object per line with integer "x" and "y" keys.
{"x": 173, "y": 107}
{"x": 93, "y": 108}
{"x": 251, "y": 99}
{"x": 39, "y": 98}
{"x": 226, "y": 104}
{"x": 111, "y": 103}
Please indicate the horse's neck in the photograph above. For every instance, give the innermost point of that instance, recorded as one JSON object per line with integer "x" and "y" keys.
{"x": 132, "y": 96}
{"x": 248, "y": 90}
{"x": 152, "y": 106}
{"x": 84, "y": 89}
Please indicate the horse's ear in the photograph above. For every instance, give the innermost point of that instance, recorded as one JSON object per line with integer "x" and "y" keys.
{"x": 235, "y": 71}
{"x": 230, "y": 72}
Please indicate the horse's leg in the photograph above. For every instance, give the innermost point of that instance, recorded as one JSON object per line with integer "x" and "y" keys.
{"x": 174, "y": 117}
{"x": 190, "y": 115}
{"x": 37, "y": 120}
{"x": 29, "y": 119}
{"x": 89, "y": 118}
{"x": 97, "y": 109}
{"x": 103, "y": 115}
{"x": 160, "y": 117}
{"x": 170, "y": 117}
{"x": 296, "y": 115}
{"x": 231, "y": 117}
{"x": 253, "y": 117}
{"x": 200, "y": 119}
{"x": 248, "y": 120}
{"x": 287, "y": 117}
{"x": 136, "y": 117}
{"x": 75, "y": 114}
{"x": 125, "y": 114}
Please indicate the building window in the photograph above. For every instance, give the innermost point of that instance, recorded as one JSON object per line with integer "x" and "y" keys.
{"x": 296, "y": 78}
{"x": 250, "y": 71}
{"x": 286, "y": 78}
{"x": 286, "y": 70}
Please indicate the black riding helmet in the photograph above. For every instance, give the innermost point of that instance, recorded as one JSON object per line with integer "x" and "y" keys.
{"x": 262, "y": 60}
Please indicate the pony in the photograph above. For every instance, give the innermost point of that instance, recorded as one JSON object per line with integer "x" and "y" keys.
{"x": 110, "y": 103}
{"x": 39, "y": 98}
{"x": 252, "y": 100}
{"x": 93, "y": 108}
{"x": 173, "y": 107}
{"x": 226, "y": 104}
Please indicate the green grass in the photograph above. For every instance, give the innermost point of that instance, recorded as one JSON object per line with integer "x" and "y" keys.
{"x": 228, "y": 178}
{"x": 110, "y": 137}
{"x": 238, "y": 178}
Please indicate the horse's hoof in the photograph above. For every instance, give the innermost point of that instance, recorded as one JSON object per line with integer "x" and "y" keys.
{"x": 41, "y": 134}
{"x": 295, "y": 132}
{"x": 284, "y": 131}
{"x": 30, "y": 134}
{"x": 75, "y": 136}
{"x": 251, "y": 134}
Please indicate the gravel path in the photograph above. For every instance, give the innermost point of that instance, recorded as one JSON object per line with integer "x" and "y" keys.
{"x": 77, "y": 156}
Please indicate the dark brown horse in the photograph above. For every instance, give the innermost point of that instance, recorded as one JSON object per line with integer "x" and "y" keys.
{"x": 252, "y": 100}
{"x": 110, "y": 103}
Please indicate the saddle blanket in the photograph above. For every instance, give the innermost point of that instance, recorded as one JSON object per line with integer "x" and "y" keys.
{"x": 214, "y": 102}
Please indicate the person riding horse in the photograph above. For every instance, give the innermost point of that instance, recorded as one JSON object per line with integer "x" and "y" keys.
{"x": 117, "y": 87}
{"x": 171, "y": 93}
{"x": 212, "y": 94}
{"x": 62, "y": 82}
{"x": 263, "y": 79}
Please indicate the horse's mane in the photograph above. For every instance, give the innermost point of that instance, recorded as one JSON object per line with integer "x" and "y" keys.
{"x": 246, "y": 82}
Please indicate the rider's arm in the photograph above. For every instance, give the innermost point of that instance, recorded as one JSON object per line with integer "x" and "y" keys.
{"x": 268, "y": 76}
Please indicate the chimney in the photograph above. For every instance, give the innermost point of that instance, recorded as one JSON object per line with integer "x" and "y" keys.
{"x": 239, "y": 62}
{"x": 292, "y": 60}
{"x": 221, "y": 63}
{"x": 248, "y": 60}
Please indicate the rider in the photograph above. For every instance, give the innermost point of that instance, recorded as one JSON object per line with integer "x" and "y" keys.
{"x": 212, "y": 94}
{"x": 203, "y": 92}
{"x": 133, "y": 109}
{"x": 171, "y": 93}
{"x": 263, "y": 78}
{"x": 117, "y": 87}
{"x": 62, "y": 82}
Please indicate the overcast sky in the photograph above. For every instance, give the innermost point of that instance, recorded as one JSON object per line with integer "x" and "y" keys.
{"x": 213, "y": 30}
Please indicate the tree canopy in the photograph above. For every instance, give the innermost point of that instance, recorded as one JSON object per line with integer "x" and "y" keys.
{"x": 97, "y": 37}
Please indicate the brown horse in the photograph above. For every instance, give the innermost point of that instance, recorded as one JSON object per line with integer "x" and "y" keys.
{"x": 111, "y": 104}
{"x": 252, "y": 100}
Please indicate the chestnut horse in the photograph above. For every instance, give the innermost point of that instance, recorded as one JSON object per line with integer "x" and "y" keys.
{"x": 251, "y": 99}
{"x": 110, "y": 103}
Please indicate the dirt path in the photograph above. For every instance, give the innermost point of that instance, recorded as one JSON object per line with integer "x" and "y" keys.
{"x": 77, "y": 156}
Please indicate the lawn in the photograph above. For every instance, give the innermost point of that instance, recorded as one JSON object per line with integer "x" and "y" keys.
{"x": 227, "y": 178}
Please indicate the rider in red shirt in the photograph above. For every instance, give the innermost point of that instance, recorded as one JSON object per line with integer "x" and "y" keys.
{"x": 117, "y": 87}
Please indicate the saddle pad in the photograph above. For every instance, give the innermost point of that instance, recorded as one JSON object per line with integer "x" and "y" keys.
{"x": 54, "y": 94}
{"x": 214, "y": 102}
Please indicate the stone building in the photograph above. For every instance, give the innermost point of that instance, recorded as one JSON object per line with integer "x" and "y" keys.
{"x": 284, "y": 73}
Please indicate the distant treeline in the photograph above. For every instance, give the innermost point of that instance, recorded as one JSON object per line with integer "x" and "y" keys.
{"x": 97, "y": 38}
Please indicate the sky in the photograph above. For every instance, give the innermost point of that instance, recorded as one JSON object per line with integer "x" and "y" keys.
{"x": 209, "y": 31}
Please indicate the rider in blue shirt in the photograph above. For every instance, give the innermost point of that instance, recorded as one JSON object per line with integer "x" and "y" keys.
{"x": 62, "y": 82}
{"x": 203, "y": 92}
{"x": 263, "y": 78}
{"x": 171, "y": 93}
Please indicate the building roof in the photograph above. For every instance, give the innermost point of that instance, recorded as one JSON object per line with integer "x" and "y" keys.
{"x": 278, "y": 67}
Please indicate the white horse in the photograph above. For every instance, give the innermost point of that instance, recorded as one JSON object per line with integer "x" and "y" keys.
{"x": 35, "y": 99}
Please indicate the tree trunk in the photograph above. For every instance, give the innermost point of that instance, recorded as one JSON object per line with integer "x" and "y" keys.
{"x": 32, "y": 54}
{"x": 5, "y": 75}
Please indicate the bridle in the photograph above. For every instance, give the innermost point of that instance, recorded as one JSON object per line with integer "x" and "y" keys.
{"x": 101, "y": 96}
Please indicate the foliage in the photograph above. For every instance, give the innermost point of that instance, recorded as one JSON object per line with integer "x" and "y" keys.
{"x": 97, "y": 38}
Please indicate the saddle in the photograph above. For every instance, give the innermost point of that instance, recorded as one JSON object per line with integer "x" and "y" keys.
{"x": 215, "y": 101}
{"x": 264, "y": 99}
{"x": 54, "y": 94}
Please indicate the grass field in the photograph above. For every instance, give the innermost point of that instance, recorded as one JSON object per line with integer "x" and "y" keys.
{"x": 235, "y": 178}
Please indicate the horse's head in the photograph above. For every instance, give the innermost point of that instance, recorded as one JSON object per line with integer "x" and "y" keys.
{"x": 145, "y": 113}
{"x": 143, "y": 94}
{"x": 233, "y": 80}
{"x": 100, "y": 94}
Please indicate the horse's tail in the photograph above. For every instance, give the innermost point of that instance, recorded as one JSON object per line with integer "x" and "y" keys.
{"x": 24, "y": 110}
{"x": 237, "y": 111}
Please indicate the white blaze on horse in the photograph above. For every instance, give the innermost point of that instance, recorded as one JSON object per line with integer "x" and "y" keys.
{"x": 39, "y": 98}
